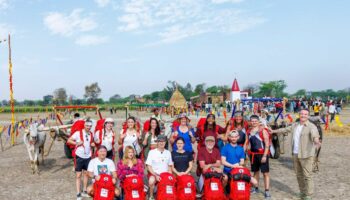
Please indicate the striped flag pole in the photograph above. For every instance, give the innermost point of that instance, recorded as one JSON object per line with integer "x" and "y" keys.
{"x": 12, "y": 101}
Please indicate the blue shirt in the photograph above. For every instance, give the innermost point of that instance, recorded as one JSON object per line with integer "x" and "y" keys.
{"x": 186, "y": 136}
{"x": 233, "y": 155}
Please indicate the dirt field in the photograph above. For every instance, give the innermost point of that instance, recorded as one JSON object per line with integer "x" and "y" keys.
{"x": 56, "y": 180}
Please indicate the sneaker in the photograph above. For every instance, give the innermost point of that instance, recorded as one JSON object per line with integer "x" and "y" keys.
{"x": 267, "y": 195}
{"x": 85, "y": 194}
{"x": 254, "y": 190}
{"x": 79, "y": 197}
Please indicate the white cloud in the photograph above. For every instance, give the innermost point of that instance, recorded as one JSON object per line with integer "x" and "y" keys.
{"x": 102, "y": 3}
{"x": 5, "y": 29}
{"x": 226, "y": 1}
{"x": 180, "y": 19}
{"x": 89, "y": 40}
{"x": 67, "y": 25}
{"x": 4, "y": 4}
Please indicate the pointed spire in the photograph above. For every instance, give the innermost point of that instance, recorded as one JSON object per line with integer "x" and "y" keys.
{"x": 235, "y": 87}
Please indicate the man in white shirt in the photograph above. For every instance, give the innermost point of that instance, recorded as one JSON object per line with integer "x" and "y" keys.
{"x": 83, "y": 141}
{"x": 102, "y": 165}
{"x": 158, "y": 161}
{"x": 305, "y": 139}
{"x": 332, "y": 110}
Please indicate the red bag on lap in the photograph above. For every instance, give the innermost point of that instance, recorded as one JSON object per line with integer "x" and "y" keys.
{"x": 213, "y": 189}
{"x": 104, "y": 188}
{"x": 166, "y": 187}
{"x": 240, "y": 184}
{"x": 133, "y": 188}
{"x": 186, "y": 188}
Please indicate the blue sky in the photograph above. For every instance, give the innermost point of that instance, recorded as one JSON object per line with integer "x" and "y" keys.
{"x": 136, "y": 46}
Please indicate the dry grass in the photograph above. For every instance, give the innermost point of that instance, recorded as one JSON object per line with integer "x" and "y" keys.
{"x": 334, "y": 129}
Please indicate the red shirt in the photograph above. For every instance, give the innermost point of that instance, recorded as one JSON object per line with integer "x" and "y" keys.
{"x": 209, "y": 158}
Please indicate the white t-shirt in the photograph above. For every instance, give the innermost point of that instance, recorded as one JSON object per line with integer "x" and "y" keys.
{"x": 83, "y": 151}
{"x": 159, "y": 161}
{"x": 106, "y": 140}
{"x": 332, "y": 109}
{"x": 98, "y": 167}
{"x": 131, "y": 140}
{"x": 296, "y": 139}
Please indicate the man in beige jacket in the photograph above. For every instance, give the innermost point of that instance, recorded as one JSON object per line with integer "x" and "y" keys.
{"x": 305, "y": 138}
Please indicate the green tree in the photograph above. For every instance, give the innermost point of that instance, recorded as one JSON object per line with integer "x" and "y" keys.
{"x": 300, "y": 93}
{"x": 272, "y": 89}
{"x": 60, "y": 96}
{"x": 199, "y": 89}
{"x": 92, "y": 92}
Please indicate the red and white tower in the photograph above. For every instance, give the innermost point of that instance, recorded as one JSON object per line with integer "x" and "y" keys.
{"x": 235, "y": 92}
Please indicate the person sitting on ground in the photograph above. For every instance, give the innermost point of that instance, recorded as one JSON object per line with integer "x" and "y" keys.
{"x": 102, "y": 165}
{"x": 183, "y": 160}
{"x": 233, "y": 156}
{"x": 158, "y": 161}
{"x": 129, "y": 165}
{"x": 209, "y": 159}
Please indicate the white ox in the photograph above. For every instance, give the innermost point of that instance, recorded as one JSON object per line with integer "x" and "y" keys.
{"x": 34, "y": 139}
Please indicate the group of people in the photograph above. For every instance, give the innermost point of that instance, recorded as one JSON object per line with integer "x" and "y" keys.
{"x": 219, "y": 149}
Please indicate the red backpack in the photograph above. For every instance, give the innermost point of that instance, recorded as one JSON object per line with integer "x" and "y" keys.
{"x": 77, "y": 126}
{"x": 166, "y": 187}
{"x": 133, "y": 188}
{"x": 146, "y": 126}
{"x": 239, "y": 184}
{"x": 186, "y": 188}
{"x": 175, "y": 124}
{"x": 213, "y": 189}
{"x": 104, "y": 188}
{"x": 99, "y": 125}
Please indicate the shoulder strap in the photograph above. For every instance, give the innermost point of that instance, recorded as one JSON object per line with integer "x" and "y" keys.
{"x": 81, "y": 136}
{"x": 100, "y": 136}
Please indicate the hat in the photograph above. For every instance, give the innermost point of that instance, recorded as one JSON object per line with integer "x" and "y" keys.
{"x": 265, "y": 110}
{"x": 108, "y": 119}
{"x": 183, "y": 115}
{"x": 161, "y": 138}
{"x": 233, "y": 133}
{"x": 210, "y": 138}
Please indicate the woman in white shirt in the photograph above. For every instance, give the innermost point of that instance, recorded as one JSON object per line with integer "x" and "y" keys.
{"x": 106, "y": 137}
{"x": 131, "y": 136}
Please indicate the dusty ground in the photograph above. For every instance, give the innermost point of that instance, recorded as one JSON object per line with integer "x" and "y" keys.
{"x": 56, "y": 180}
